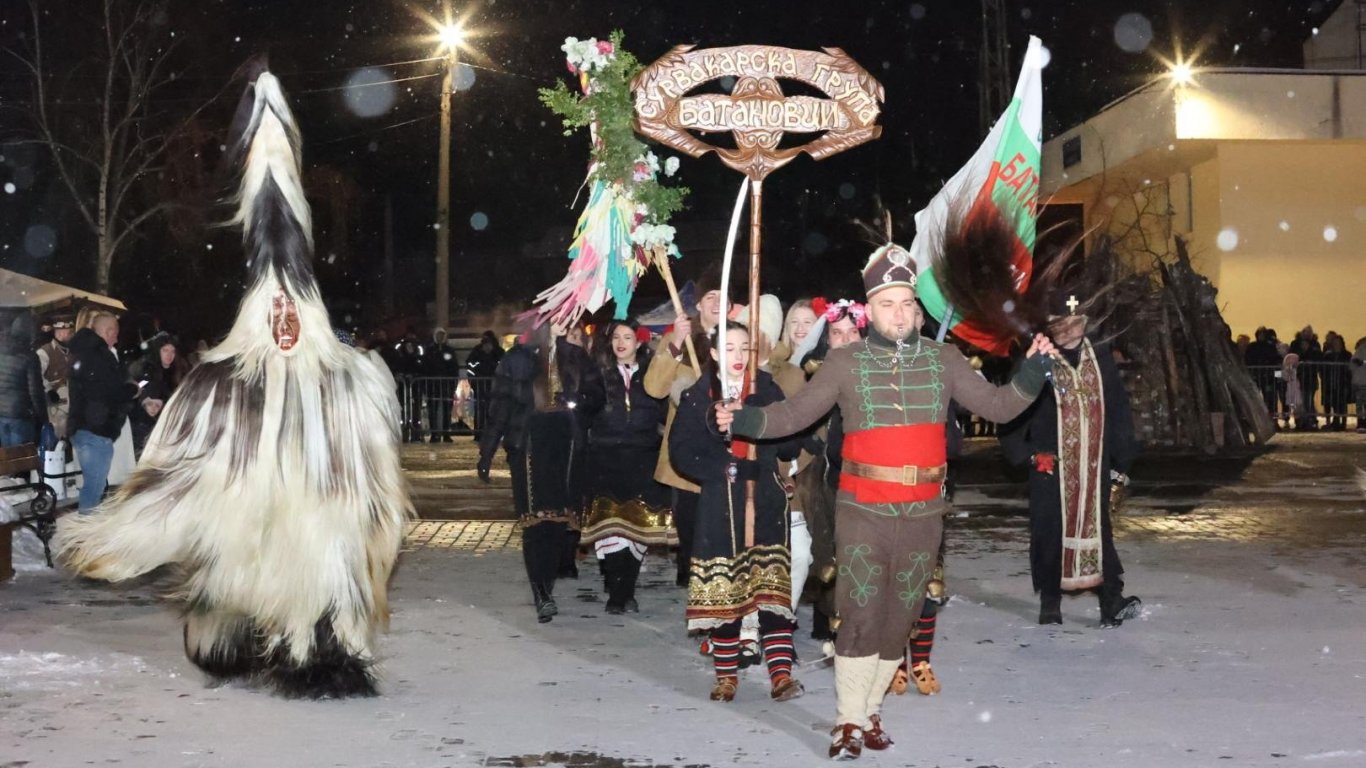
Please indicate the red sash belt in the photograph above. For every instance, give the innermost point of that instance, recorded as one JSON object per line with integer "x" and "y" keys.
{"x": 911, "y": 445}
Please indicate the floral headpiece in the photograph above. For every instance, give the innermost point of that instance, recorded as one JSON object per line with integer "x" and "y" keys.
{"x": 834, "y": 312}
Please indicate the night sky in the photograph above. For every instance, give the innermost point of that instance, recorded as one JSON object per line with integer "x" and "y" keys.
{"x": 515, "y": 174}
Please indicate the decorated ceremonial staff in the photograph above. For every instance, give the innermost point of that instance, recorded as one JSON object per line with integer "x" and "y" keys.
{"x": 272, "y": 477}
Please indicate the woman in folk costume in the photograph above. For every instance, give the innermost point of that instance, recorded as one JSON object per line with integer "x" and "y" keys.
{"x": 272, "y": 476}
{"x": 774, "y": 359}
{"x": 838, "y": 324}
{"x": 628, "y": 510}
{"x": 545, "y": 393}
{"x": 731, "y": 578}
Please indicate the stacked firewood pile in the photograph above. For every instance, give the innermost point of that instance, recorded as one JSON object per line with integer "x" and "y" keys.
{"x": 1186, "y": 378}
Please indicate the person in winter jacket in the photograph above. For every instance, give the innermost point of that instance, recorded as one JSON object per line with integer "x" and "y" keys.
{"x": 23, "y": 406}
{"x": 545, "y": 394}
{"x": 480, "y": 365}
{"x": 628, "y": 509}
{"x": 101, "y": 396}
{"x": 441, "y": 367}
{"x": 162, "y": 369}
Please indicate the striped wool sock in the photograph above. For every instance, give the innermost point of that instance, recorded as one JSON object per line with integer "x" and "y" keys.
{"x": 924, "y": 640}
{"x": 779, "y": 653}
{"x": 725, "y": 656}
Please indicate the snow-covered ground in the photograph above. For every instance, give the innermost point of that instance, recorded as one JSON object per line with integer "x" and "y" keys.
{"x": 1247, "y": 654}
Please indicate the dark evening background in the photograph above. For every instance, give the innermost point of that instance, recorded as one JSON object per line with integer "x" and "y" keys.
{"x": 515, "y": 174}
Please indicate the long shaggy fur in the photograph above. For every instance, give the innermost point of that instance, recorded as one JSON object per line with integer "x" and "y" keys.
{"x": 272, "y": 477}
{"x": 974, "y": 267}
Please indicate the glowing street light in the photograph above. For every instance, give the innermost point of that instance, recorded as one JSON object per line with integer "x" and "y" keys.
{"x": 1182, "y": 73}
{"x": 451, "y": 36}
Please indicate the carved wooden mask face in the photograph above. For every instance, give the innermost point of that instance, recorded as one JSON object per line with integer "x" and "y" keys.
{"x": 284, "y": 321}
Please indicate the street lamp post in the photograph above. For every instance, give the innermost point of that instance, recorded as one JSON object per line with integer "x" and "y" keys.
{"x": 451, "y": 36}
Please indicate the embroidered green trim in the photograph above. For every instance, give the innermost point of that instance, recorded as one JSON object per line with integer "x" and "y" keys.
{"x": 861, "y": 573}
{"x": 874, "y": 380}
{"x": 915, "y": 578}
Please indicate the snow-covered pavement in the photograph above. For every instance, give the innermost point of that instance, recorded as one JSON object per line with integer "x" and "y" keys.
{"x": 1247, "y": 654}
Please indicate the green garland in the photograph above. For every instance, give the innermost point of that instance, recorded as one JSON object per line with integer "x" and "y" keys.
{"x": 618, "y": 150}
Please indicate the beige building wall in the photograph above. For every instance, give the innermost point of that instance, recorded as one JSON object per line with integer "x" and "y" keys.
{"x": 1298, "y": 213}
{"x": 1263, "y": 173}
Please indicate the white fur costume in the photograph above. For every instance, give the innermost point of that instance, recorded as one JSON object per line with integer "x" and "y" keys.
{"x": 273, "y": 475}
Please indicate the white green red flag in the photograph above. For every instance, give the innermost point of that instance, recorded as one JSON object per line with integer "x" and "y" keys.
{"x": 1004, "y": 174}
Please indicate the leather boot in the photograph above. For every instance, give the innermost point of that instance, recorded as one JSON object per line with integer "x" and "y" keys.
{"x": 1115, "y": 607}
{"x": 1050, "y": 608}
{"x": 611, "y": 574}
{"x": 630, "y": 573}
{"x": 545, "y": 602}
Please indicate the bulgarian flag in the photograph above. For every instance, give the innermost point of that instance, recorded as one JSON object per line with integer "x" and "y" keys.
{"x": 1003, "y": 173}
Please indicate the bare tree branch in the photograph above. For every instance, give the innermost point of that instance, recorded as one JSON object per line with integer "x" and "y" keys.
{"x": 106, "y": 156}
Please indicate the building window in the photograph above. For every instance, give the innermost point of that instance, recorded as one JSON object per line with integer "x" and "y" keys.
{"x": 1071, "y": 152}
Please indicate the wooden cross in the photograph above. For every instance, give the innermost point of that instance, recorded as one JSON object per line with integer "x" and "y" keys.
{"x": 1072, "y": 305}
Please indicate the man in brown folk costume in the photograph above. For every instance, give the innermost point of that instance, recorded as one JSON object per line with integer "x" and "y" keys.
{"x": 893, "y": 389}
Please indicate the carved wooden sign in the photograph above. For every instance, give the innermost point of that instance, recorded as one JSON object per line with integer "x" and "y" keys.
{"x": 756, "y": 109}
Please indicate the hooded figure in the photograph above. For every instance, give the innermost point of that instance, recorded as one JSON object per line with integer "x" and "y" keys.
{"x": 272, "y": 476}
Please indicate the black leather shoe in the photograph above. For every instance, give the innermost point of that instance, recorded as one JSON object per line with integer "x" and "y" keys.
{"x": 1120, "y": 609}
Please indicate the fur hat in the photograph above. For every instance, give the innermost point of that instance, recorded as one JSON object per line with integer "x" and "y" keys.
{"x": 888, "y": 267}
{"x": 770, "y": 317}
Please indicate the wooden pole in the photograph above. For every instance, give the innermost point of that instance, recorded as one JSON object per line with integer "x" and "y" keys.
{"x": 443, "y": 199}
{"x": 661, "y": 259}
{"x": 756, "y": 220}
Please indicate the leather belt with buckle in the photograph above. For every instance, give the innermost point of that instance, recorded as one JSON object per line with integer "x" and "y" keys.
{"x": 908, "y": 474}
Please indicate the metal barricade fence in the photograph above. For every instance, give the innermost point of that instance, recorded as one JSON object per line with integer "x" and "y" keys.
{"x": 432, "y": 412}
{"x": 1325, "y": 389}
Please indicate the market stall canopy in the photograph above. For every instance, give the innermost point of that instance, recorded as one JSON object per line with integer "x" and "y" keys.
{"x": 20, "y": 290}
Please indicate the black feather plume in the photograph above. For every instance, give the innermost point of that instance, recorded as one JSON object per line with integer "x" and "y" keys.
{"x": 975, "y": 268}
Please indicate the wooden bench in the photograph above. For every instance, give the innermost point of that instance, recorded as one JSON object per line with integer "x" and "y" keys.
{"x": 39, "y": 515}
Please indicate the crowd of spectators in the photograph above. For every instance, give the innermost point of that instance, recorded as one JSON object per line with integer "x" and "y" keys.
{"x": 1308, "y": 385}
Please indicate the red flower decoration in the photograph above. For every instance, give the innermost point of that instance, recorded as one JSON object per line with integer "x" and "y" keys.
{"x": 605, "y": 47}
{"x": 643, "y": 335}
{"x": 1045, "y": 463}
{"x": 818, "y": 305}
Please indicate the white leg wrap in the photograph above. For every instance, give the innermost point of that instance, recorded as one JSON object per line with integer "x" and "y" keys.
{"x": 886, "y": 670}
{"x": 853, "y": 676}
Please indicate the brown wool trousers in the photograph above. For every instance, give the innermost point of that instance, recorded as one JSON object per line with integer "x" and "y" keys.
{"x": 885, "y": 553}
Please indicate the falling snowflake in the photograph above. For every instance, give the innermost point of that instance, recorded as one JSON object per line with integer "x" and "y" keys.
{"x": 1227, "y": 239}
{"x": 1133, "y": 32}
